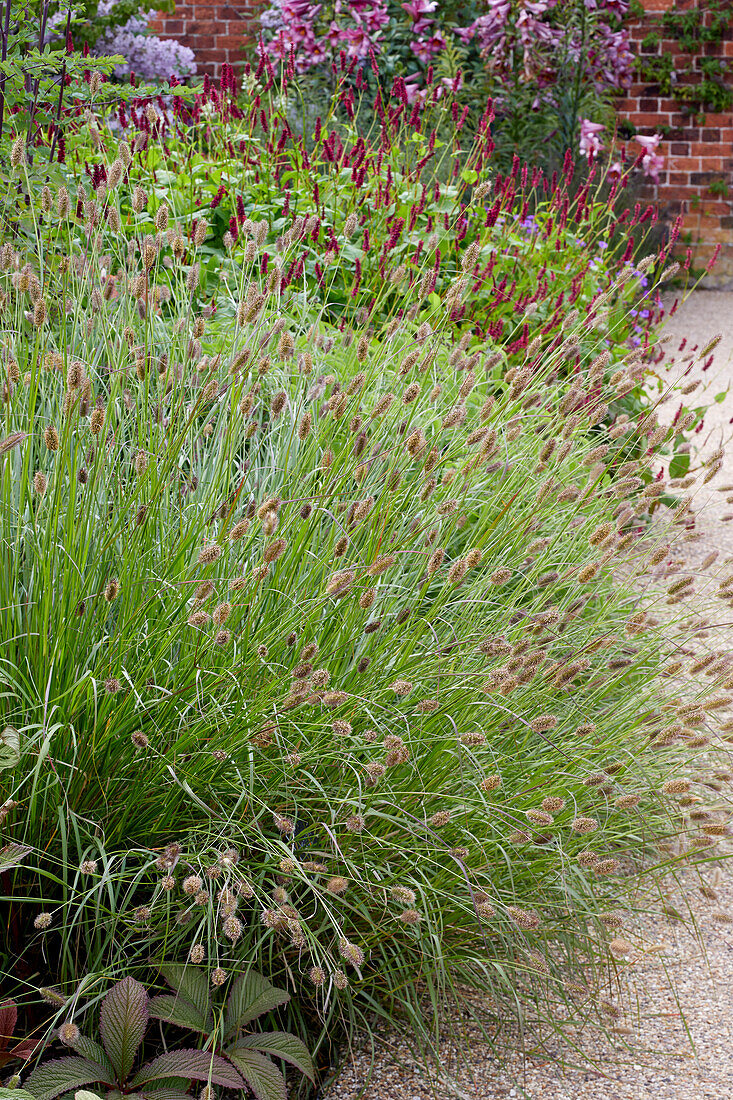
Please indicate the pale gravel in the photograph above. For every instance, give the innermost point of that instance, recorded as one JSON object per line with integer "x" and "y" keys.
{"x": 677, "y": 987}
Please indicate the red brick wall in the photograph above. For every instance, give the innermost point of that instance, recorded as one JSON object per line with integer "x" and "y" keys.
{"x": 698, "y": 152}
{"x": 215, "y": 31}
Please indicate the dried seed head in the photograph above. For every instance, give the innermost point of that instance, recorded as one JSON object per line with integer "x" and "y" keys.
{"x": 42, "y": 921}
{"x": 69, "y": 1033}
{"x": 337, "y": 885}
{"x": 40, "y": 482}
{"x": 401, "y": 687}
{"x": 352, "y": 953}
{"x": 676, "y": 786}
{"x": 209, "y": 554}
{"x": 112, "y": 589}
{"x": 523, "y": 918}
{"x": 583, "y": 825}
{"x": 284, "y": 825}
{"x": 51, "y": 438}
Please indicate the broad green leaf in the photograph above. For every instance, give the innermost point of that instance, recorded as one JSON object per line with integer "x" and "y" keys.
{"x": 195, "y": 1065}
{"x": 179, "y": 1010}
{"x": 122, "y": 1023}
{"x": 470, "y": 175}
{"x": 93, "y": 1052}
{"x": 15, "y": 1094}
{"x": 721, "y": 397}
{"x": 165, "y": 1094}
{"x": 62, "y": 1075}
{"x": 250, "y": 996}
{"x": 280, "y": 1044}
{"x": 9, "y": 747}
{"x": 190, "y": 982}
{"x": 679, "y": 465}
{"x": 262, "y": 1075}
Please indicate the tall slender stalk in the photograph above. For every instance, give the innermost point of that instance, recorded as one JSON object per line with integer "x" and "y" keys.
{"x": 4, "y": 52}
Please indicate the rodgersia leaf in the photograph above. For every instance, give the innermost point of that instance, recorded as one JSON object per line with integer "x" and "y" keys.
{"x": 122, "y": 1023}
{"x": 194, "y": 1065}
{"x": 262, "y": 1075}
{"x": 177, "y": 1009}
{"x": 62, "y": 1075}
{"x": 192, "y": 984}
{"x": 93, "y": 1052}
{"x": 250, "y": 996}
{"x": 279, "y": 1044}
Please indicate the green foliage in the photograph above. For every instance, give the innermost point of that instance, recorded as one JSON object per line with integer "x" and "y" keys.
{"x": 719, "y": 188}
{"x": 322, "y": 653}
{"x": 692, "y": 29}
{"x": 704, "y": 84}
{"x": 123, "y": 1021}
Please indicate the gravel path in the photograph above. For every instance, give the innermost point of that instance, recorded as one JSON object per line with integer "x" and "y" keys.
{"x": 676, "y": 1042}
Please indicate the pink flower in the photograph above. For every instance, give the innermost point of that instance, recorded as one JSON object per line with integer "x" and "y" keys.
{"x": 424, "y": 49}
{"x": 590, "y": 142}
{"x": 418, "y": 8}
{"x": 649, "y": 144}
{"x": 652, "y": 164}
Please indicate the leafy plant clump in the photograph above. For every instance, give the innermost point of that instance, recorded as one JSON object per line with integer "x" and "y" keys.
{"x": 316, "y": 659}
{"x": 124, "y": 1017}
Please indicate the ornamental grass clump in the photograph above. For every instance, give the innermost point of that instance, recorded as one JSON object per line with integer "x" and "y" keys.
{"x": 365, "y": 706}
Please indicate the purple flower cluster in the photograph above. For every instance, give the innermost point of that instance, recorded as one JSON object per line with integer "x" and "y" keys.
{"x": 527, "y": 30}
{"x": 146, "y": 55}
{"x": 318, "y": 34}
{"x": 529, "y": 39}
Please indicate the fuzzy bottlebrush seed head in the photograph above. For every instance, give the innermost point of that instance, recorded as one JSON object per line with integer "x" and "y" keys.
{"x": 40, "y": 482}
{"x": 42, "y": 921}
{"x": 440, "y": 819}
{"x": 523, "y": 918}
{"x": 543, "y": 723}
{"x": 410, "y": 917}
{"x": 375, "y": 771}
{"x": 583, "y": 825}
{"x": 96, "y": 421}
{"x": 352, "y": 953}
{"x": 539, "y": 817}
{"x": 218, "y": 976}
{"x": 51, "y": 438}
{"x": 401, "y": 687}
{"x": 676, "y": 786}
{"x": 69, "y": 1033}
{"x": 317, "y": 976}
